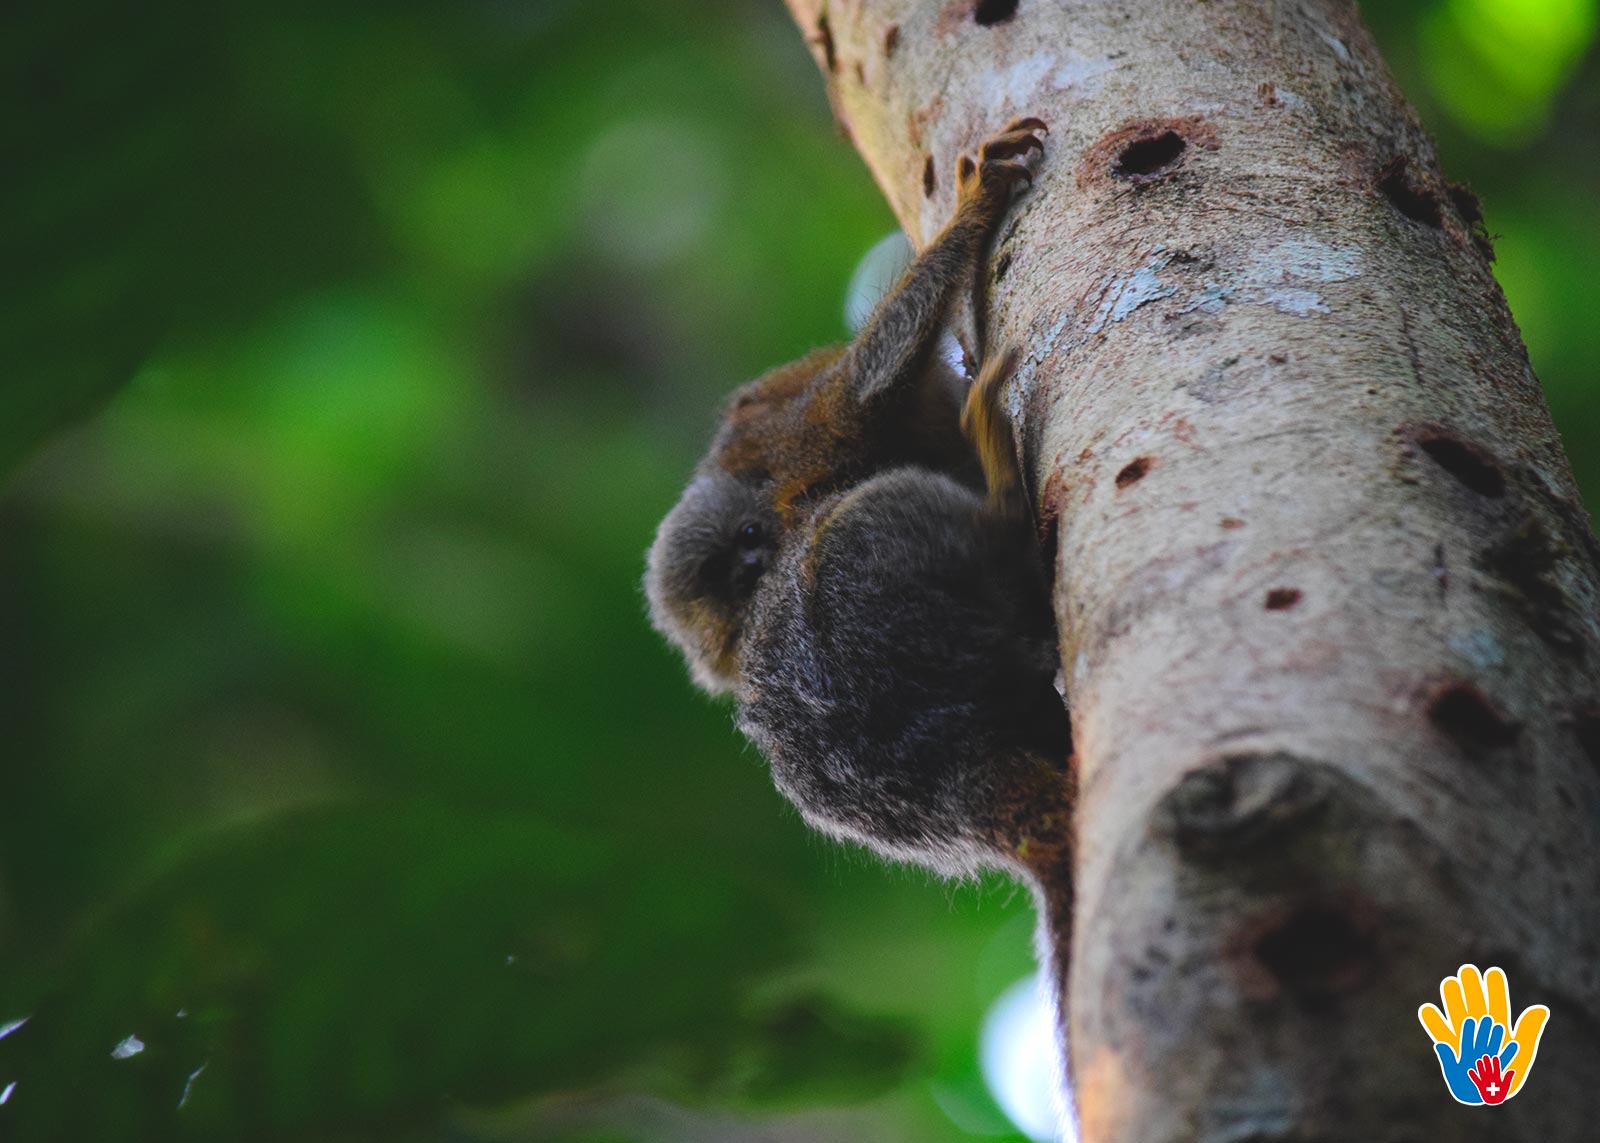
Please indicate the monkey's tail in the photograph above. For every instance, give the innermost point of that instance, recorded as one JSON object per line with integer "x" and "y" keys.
{"x": 987, "y": 426}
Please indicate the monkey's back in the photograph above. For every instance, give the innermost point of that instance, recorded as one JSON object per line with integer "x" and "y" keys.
{"x": 900, "y": 665}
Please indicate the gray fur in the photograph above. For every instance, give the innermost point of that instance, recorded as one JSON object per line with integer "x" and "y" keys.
{"x": 899, "y": 672}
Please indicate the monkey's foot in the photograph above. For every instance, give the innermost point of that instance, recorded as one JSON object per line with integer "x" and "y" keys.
{"x": 1002, "y": 163}
{"x": 982, "y": 419}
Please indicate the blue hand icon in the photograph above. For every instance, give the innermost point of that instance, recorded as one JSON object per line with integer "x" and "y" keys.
{"x": 1479, "y": 1037}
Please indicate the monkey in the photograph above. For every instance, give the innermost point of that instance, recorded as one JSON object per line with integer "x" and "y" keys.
{"x": 825, "y": 421}
{"x": 854, "y": 561}
{"x": 899, "y": 667}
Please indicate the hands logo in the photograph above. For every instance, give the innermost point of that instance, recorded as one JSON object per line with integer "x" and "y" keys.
{"x": 1485, "y": 1058}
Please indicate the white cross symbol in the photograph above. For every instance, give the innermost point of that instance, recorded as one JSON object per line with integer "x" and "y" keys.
{"x": 1494, "y": 1089}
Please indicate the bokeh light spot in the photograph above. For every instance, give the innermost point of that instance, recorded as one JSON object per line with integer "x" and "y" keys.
{"x": 1497, "y": 65}
{"x": 1020, "y": 1061}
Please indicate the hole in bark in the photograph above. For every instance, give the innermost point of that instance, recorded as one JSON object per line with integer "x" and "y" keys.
{"x": 1586, "y": 727}
{"x": 824, "y": 37}
{"x": 1573, "y": 515}
{"x": 1467, "y": 204}
{"x": 1146, "y": 158}
{"x": 1467, "y": 462}
{"x": 1230, "y": 523}
{"x": 1462, "y": 712}
{"x": 1471, "y": 212}
{"x": 1415, "y": 200}
{"x": 1145, "y": 150}
{"x": 1049, "y": 548}
{"x": 1318, "y": 951}
{"x": 990, "y": 12}
{"x": 1134, "y": 471}
{"x": 891, "y": 39}
{"x": 1241, "y": 801}
{"x": 928, "y": 182}
{"x": 1002, "y": 266}
{"x": 1526, "y": 561}
{"x": 1283, "y": 598}
{"x": 1052, "y": 497}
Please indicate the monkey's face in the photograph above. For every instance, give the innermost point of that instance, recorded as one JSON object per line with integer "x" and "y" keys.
{"x": 709, "y": 554}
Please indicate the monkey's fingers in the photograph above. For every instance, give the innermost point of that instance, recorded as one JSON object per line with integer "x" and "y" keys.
{"x": 1010, "y": 144}
{"x": 1000, "y": 165}
{"x": 966, "y": 177}
{"x": 988, "y": 182}
{"x": 1026, "y": 123}
{"x": 1005, "y": 172}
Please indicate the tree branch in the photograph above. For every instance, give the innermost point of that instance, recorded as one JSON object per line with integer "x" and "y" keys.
{"x": 1325, "y": 590}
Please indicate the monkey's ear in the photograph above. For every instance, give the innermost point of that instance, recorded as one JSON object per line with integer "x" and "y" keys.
{"x": 693, "y": 575}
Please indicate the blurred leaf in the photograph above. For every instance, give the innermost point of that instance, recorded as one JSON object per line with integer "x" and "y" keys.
{"x": 153, "y": 201}
{"x": 359, "y": 962}
{"x": 1498, "y": 64}
{"x": 808, "y": 1049}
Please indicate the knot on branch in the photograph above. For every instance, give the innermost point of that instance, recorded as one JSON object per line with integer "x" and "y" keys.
{"x": 1239, "y": 800}
{"x": 1319, "y": 949}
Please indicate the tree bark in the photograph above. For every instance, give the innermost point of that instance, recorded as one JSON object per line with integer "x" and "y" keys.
{"x": 1325, "y": 589}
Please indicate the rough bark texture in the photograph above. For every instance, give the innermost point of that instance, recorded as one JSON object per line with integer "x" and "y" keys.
{"x": 1326, "y": 592}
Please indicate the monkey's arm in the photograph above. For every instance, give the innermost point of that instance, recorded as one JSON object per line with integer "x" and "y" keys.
{"x": 898, "y": 339}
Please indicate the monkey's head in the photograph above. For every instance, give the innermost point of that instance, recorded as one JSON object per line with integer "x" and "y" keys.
{"x": 708, "y": 556}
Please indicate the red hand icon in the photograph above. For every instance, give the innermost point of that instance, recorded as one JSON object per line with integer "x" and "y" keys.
{"x": 1487, "y": 1079}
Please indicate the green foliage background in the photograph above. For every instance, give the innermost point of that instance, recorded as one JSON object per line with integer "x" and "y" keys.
{"x": 352, "y": 353}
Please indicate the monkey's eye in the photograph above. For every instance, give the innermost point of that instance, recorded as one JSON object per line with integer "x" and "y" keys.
{"x": 752, "y": 535}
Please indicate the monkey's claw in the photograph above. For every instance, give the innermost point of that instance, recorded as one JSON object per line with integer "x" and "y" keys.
{"x": 987, "y": 181}
{"x": 1002, "y": 161}
{"x": 1027, "y": 123}
{"x": 1010, "y": 144}
{"x": 1019, "y": 136}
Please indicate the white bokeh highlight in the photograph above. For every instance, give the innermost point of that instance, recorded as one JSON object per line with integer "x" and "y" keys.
{"x": 1020, "y": 1061}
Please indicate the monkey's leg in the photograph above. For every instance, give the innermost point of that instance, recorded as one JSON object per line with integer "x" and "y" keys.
{"x": 897, "y": 341}
{"x": 989, "y": 429}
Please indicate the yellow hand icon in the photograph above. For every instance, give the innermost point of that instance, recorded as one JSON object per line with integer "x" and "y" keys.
{"x": 1470, "y": 995}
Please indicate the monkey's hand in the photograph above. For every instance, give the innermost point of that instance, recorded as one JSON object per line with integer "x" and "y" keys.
{"x": 984, "y": 184}
{"x": 895, "y": 345}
